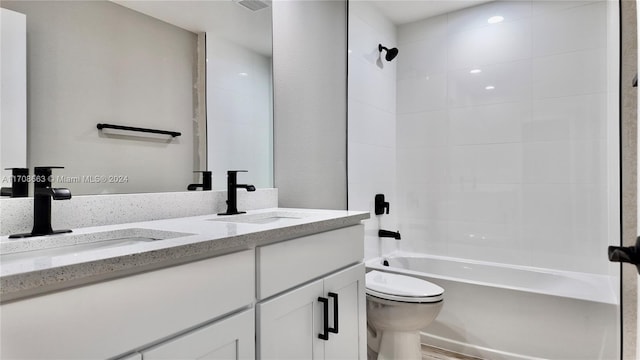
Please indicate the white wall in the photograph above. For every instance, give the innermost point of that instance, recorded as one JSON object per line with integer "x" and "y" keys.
{"x": 310, "y": 75}
{"x": 372, "y": 123}
{"x": 516, "y": 174}
{"x": 239, "y": 114}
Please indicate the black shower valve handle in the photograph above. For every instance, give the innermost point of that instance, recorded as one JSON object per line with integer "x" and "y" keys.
{"x": 381, "y": 206}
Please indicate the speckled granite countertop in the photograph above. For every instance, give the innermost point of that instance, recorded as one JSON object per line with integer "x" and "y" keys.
{"x": 38, "y": 265}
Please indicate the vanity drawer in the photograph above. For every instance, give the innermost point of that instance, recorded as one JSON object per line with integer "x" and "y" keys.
{"x": 286, "y": 264}
{"x": 109, "y": 318}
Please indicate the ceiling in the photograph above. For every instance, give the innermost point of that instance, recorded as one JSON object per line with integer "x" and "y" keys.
{"x": 229, "y": 20}
{"x": 405, "y": 11}
{"x": 224, "y": 18}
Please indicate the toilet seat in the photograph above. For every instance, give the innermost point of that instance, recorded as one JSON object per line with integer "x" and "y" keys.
{"x": 402, "y": 288}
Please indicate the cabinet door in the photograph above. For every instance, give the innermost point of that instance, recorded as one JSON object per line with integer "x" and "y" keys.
{"x": 230, "y": 338}
{"x": 350, "y": 342}
{"x": 288, "y": 325}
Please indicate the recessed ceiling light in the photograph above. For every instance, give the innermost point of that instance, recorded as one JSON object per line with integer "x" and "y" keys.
{"x": 495, "y": 19}
{"x": 489, "y": 87}
{"x": 475, "y": 71}
{"x": 243, "y": 74}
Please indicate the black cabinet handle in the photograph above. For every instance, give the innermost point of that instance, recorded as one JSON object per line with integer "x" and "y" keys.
{"x": 628, "y": 254}
{"x": 325, "y": 306}
{"x": 334, "y": 329}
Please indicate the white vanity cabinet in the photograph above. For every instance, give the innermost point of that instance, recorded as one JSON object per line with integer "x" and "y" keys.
{"x": 290, "y": 325}
{"x": 328, "y": 275}
{"x": 302, "y": 298}
{"x": 230, "y": 338}
{"x": 112, "y": 318}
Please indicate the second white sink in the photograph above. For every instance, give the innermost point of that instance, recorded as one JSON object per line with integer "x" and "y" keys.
{"x": 262, "y": 218}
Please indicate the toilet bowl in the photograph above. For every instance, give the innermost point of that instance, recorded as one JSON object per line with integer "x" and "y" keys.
{"x": 398, "y": 307}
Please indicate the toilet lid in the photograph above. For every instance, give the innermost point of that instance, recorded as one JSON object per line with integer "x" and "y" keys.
{"x": 402, "y": 288}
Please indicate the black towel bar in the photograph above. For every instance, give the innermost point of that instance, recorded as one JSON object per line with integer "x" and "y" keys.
{"x": 131, "y": 128}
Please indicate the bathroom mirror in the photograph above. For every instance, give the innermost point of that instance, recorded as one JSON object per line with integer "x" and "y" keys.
{"x": 201, "y": 68}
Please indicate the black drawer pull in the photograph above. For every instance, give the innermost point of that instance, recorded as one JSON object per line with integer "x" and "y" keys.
{"x": 334, "y": 329}
{"x": 325, "y": 307}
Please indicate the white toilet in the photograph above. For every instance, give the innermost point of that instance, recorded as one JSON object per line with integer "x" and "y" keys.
{"x": 398, "y": 306}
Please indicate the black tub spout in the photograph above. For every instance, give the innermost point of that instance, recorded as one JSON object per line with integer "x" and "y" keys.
{"x": 389, "y": 234}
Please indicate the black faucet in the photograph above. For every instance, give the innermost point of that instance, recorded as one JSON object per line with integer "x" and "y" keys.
{"x": 389, "y": 234}
{"x": 42, "y": 195}
{"x": 206, "y": 182}
{"x": 232, "y": 196}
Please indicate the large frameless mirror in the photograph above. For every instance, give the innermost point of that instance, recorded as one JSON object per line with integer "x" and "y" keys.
{"x": 199, "y": 68}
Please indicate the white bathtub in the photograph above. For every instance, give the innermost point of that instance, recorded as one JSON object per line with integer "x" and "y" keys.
{"x": 496, "y": 312}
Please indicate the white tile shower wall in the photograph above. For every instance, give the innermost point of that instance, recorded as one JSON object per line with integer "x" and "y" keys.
{"x": 97, "y": 210}
{"x": 372, "y": 123}
{"x": 508, "y": 163}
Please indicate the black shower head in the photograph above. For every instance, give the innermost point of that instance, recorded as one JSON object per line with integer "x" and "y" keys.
{"x": 391, "y": 53}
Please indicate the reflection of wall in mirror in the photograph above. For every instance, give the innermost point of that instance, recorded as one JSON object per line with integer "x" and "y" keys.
{"x": 239, "y": 113}
{"x": 95, "y": 62}
{"x": 13, "y": 94}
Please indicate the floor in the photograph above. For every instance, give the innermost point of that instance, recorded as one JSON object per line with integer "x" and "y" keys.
{"x": 434, "y": 353}
{"x": 431, "y": 353}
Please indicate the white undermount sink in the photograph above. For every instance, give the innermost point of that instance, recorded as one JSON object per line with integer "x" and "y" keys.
{"x": 262, "y": 218}
{"x": 75, "y": 244}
